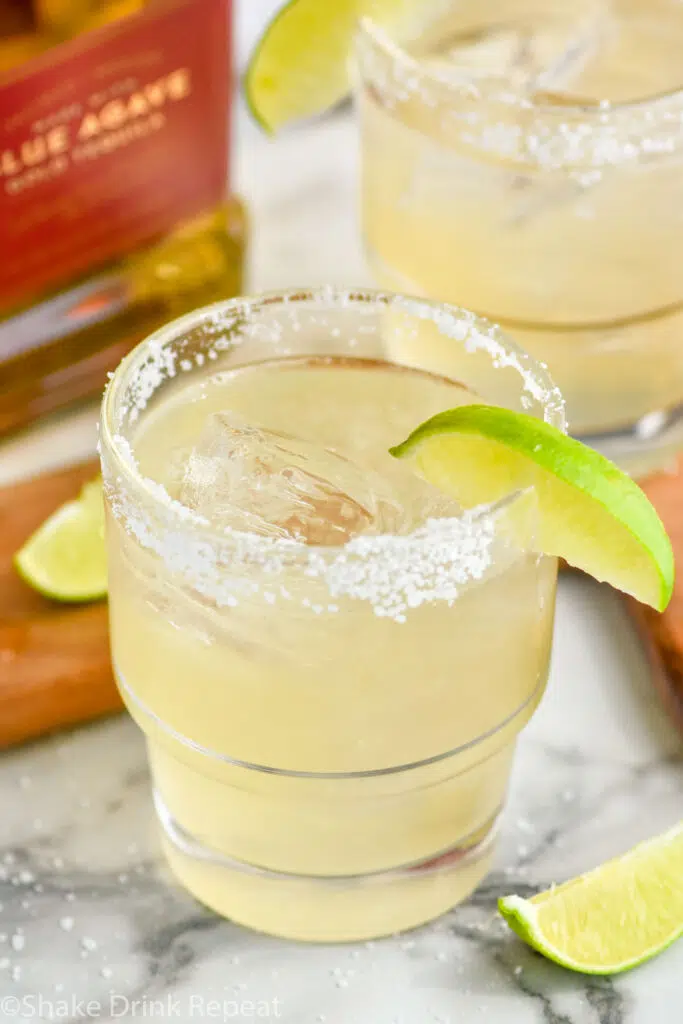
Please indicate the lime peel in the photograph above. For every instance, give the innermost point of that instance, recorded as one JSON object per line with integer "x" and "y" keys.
{"x": 611, "y": 919}
{"x": 65, "y": 559}
{"x": 299, "y": 67}
{"x": 591, "y": 513}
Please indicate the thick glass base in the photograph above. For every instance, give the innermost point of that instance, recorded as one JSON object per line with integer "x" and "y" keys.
{"x": 330, "y": 857}
{"x": 326, "y": 909}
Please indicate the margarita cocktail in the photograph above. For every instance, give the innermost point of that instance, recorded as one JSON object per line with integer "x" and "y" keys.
{"x": 525, "y": 159}
{"x": 331, "y": 660}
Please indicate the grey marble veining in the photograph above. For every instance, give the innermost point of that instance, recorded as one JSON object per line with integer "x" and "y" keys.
{"x": 87, "y": 910}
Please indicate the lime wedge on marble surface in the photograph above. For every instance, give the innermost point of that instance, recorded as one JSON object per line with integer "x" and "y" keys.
{"x": 613, "y": 918}
{"x": 65, "y": 558}
{"x": 591, "y": 514}
{"x": 300, "y": 67}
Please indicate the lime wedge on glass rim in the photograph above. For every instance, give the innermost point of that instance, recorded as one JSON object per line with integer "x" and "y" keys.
{"x": 299, "y": 67}
{"x": 590, "y": 513}
{"x": 65, "y": 558}
{"x": 610, "y": 919}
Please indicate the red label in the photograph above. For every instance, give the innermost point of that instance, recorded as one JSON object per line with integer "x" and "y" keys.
{"x": 110, "y": 141}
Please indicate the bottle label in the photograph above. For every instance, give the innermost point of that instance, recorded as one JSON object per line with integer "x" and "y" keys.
{"x": 109, "y": 142}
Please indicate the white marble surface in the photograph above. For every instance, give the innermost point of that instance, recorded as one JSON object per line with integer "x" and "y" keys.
{"x": 87, "y": 912}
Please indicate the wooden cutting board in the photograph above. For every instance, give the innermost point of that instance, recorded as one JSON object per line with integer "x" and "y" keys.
{"x": 663, "y": 634}
{"x": 55, "y": 669}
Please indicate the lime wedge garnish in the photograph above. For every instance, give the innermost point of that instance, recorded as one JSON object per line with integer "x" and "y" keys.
{"x": 591, "y": 514}
{"x": 300, "y": 66}
{"x": 65, "y": 558}
{"x": 613, "y": 918}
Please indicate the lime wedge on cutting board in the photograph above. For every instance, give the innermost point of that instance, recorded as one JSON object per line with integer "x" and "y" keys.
{"x": 65, "y": 558}
{"x": 300, "y": 67}
{"x": 591, "y": 513}
{"x": 613, "y": 918}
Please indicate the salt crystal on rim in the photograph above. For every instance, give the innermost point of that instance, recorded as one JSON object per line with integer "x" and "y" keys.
{"x": 513, "y": 126}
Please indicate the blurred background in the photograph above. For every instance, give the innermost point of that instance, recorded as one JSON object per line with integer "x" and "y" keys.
{"x": 252, "y": 15}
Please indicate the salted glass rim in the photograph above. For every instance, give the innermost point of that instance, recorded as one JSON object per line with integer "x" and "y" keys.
{"x": 572, "y": 134}
{"x": 220, "y": 315}
{"x": 367, "y": 28}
